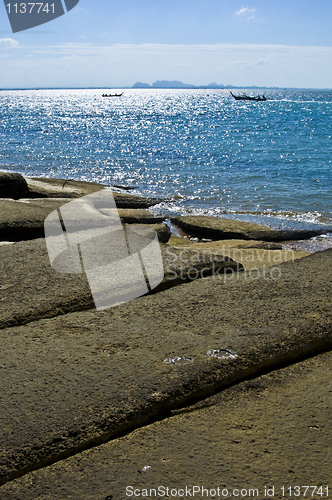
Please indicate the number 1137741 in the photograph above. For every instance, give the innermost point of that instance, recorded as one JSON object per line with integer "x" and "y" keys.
{"x": 305, "y": 491}
{"x": 30, "y": 8}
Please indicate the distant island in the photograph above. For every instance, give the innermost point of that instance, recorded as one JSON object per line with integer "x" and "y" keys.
{"x": 174, "y": 84}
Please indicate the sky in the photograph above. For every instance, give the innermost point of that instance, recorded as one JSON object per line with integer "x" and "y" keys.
{"x": 113, "y": 44}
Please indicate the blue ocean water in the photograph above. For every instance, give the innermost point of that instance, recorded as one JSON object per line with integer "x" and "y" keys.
{"x": 200, "y": 150}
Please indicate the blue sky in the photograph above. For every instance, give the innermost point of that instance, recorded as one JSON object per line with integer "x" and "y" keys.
{"x": 110, "y": 43}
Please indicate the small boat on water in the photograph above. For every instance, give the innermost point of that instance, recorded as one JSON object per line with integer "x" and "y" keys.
{"x": 245, "y": 97}
{"x": 112, "y": 95}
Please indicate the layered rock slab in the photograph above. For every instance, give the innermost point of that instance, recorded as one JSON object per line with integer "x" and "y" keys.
{"x": 273, "y": 431}
{"x": 252, "y": 254}
{"x": 135, "y": 216}
{"x": 24, "y": 219}
{"x": 62, "y": 188}
{"x": 48, "y": 187}
{"x": 83, "y": 378}
{"x": 30, "y": 289}
{"x": 220, "y": 228}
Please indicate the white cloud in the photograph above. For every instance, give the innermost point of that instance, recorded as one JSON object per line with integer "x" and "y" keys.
{"x": 243, "y": 10}
{"x": 8, "y": 43}
{"x": 246, "y": 14}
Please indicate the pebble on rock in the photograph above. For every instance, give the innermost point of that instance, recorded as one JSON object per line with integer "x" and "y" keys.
{"x": 222, "y": 353}
{"x": 179, "y": 360}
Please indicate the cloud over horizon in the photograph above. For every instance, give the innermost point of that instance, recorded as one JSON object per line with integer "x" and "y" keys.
{"x": 85, "y": 64}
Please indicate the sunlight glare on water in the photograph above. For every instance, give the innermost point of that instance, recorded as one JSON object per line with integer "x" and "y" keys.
{"x": 212, "y": 153}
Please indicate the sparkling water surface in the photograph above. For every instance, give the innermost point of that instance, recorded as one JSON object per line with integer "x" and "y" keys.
{"x": 200, "y": 150}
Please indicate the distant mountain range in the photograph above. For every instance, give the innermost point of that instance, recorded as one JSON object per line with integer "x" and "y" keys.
{"x": 174, "y": 84}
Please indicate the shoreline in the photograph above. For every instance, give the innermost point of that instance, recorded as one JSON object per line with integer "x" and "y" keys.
{"x": 320, "y": 240}
{"x": 197, "y": 228}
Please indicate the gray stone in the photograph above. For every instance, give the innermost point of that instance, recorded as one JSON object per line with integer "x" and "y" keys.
{"x": 12, "y": 185}
{"x": 162, "y": 231}
{"x": 62, "y": 188}
{"x": 124, "y": 200}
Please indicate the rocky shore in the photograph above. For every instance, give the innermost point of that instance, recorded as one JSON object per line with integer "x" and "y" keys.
{"x": 220, "y": 376}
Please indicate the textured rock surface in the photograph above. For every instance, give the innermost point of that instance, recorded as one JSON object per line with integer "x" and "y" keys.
{"x": 162, "y": 231}
{"x": 124, "y": 200}
{"x": 60, "y": 188}
{"x": 135, "y": 216}
{"x": 252, "y": 254}
{"x": 12, "y": 185}
{"x": 220, "y": 228}
{"x": 24, "y": 219}
{"x": 271, "y": 431}
{"x": 233, "y": 243}
{"x": 79, "y": 379}
{"x": 31, "y": 289}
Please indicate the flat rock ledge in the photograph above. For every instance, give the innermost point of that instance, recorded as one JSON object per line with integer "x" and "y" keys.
{"x": 48, "y": 187}
{"x": 134, "y": 215}
{"x": 24, "y": 219}
{"x": 30, "y": 289}
{"x": 62, "y": 188}
{"x": 81, "y": 379}
{"x": 220, "y": 228}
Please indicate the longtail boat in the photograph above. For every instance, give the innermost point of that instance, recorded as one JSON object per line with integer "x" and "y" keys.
{"x": 245, "y": 97}
{"x": 112, "y": 95}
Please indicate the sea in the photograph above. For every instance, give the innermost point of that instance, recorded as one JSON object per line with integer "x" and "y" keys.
{"x": 198, "y": 151}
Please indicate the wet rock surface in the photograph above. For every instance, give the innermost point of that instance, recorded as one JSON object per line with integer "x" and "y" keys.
{"x": 124, "y": 200}
{"x": 80, "y": 379}
{"x": 273, "y": 431}
{"x": 220, "y": 228}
